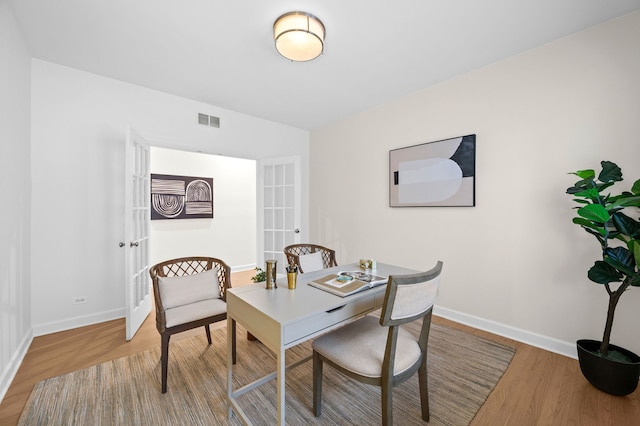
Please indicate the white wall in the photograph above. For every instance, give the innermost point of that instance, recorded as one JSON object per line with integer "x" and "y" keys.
{"x": 231, "y": 234}
{"x": 78, "y": 132}
{"x": 15, "y": 215}
{"x": 515, "y": 263}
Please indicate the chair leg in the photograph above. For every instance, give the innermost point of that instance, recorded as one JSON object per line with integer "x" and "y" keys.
{"x": 164, "y": 359}
{"x": 208, "y": 330}
{"x": 386, "y": 393}
{"x": 317, "y": 384}
{"x": 424, "y": 391}
{"x": 233, "y": 340}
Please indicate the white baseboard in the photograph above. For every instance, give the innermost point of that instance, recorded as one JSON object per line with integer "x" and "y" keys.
{"x": 9, "y": 373}
{"x": 240, "y": 268}
{"x": 547, "y": 343}
{"x": 75, "y": 322}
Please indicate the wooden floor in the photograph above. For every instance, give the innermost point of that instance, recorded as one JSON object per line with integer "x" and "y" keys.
{"x": 538, "y": 388}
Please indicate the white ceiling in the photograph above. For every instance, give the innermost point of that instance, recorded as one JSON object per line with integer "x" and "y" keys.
{"x": 222, "y": 52}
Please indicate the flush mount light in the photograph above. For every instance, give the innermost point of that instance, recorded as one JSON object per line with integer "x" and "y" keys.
{"x": 299, "y": 36}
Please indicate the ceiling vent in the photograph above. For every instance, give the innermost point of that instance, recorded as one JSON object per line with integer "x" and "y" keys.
{"x": 208, "y": 120}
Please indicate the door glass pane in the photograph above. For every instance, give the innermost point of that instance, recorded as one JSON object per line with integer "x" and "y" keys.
{"x": 268, "y": 175}
{"x": 289, "y": 219}
{"x": 278, "y": 219}
{"x": 268, "y": 241}
{"x": 289, "y": 177}
{"x": 289, "y": 201}
{"x": 268, "y": 197}
{"x": 279, "y": 175}
{"x": 268, "y": 219}
{"x": 278, "y": 196}
{"x": 279, "y": 241}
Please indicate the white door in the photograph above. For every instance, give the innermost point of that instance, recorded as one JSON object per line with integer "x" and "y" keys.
{"x": 278, "y": 214}
{"x": 136, "y": 228}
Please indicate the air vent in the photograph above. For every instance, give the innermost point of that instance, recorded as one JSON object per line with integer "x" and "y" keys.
{"x": 208, "y": 120}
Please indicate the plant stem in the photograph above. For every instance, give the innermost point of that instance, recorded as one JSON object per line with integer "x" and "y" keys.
{"x": 614, "y": 297}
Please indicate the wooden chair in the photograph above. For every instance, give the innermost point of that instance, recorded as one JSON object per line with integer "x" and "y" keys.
{"x": 378, "y": 351}
{"x": 310, "y": 257}
{"x": 189, "y": 292}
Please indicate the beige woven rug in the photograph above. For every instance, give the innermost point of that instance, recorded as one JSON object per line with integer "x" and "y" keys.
{"x": 463, "y": 369}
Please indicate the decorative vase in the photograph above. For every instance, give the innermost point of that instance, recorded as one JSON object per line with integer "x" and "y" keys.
{"x": 608, "y": 375}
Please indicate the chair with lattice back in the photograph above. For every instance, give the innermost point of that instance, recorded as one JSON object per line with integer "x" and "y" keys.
{"x": 310, "y": 257}
{"x": 189, "y": 292}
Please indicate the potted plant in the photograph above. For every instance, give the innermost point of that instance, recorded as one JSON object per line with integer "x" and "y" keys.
{"x": 260, "y": 276}
{"x": 608, "y": 367}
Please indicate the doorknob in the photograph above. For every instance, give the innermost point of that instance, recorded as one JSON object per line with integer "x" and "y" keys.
{"x": 133, "y": 244}
{"x": 120, "y": 244}
{"x": 297, "y": 231}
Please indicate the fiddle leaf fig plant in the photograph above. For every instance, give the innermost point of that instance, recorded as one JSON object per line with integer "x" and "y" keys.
{"x": 609, "y": 219}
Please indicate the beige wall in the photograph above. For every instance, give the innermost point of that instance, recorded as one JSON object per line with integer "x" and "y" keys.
{"x": 515, "y": 263}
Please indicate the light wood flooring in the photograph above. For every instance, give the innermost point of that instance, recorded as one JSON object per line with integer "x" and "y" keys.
{"x": 538, "y": 388}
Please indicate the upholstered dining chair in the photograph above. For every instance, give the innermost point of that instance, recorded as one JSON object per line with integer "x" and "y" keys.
{"x": 310, "y": 257}
{"x": 378, "y": 351}
{"x": 189, "y": 292}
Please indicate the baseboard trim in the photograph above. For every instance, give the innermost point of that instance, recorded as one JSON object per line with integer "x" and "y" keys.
{"x": 240, "y": 268}
{"x": 9, "y": 373}
{"x": 75, "y": 322}
{"x": 539, "y": 341}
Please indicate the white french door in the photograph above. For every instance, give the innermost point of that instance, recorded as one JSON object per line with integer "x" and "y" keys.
{"x": 136, "y": 231}
{"x": 279, "y": 204}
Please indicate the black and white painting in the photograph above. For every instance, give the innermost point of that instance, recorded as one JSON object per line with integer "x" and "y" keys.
{"x": 181, "y": 197}
{"x": 440, "y": 173}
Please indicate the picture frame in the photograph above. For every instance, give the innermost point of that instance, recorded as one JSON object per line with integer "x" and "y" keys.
{"x": 181, "y": 197}
{"x": 434, "y": 174}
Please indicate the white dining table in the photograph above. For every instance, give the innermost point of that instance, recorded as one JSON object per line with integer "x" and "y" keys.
{"x": 281, "y": 318}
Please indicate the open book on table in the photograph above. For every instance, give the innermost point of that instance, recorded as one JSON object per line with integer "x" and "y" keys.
{"x": 348, "y": 282}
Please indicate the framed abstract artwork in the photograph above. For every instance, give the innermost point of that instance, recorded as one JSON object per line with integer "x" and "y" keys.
{"x": 181, "y": 197}
{"x": 440, "y": 173}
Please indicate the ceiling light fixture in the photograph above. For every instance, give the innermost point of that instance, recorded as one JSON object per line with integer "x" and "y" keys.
{"x": 299, "y": 36}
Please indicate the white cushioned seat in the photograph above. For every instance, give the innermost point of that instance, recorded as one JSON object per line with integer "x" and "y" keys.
{"x": 194, "y": 311}
{"x": 360, "y": 346}
{"x": 311, "y": 262}
{"x": 187, "y": 289}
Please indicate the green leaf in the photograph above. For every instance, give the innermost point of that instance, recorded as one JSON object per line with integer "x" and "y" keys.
{"x": 621, "y": 259}
{"x": 636, "y": 187}
{"x": 588, "y": 174}
{"x": 602, "y": 186}
{"x": 626, "y": 225}
{"x": 594, "y": 212}
{"x": 603, "y": 273}
{"x": 598, "y": 233}
{"x": 625, "y": 201}
{"x": 581, "y": 201}
{"x": 589, "y": 224}
{"x": 591, "y": 193}
{"x": 581, "y": 185}
{"x": 634, "y": 247}
{"x": 610, "y": 172}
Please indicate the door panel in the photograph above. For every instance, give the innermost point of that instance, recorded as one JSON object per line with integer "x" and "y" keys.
{"x": 137, "y": 217}
{"x": 278, "y": 208}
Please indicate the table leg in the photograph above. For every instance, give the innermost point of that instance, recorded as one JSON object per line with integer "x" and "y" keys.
{"x": 229, "y": 366}
{"x": 280, "y": 382}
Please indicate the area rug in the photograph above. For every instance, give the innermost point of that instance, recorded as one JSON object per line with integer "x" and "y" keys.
{"x": 463, "y": 369}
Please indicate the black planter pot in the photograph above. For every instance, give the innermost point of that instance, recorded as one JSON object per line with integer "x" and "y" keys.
{"x": 610, "y": 376}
